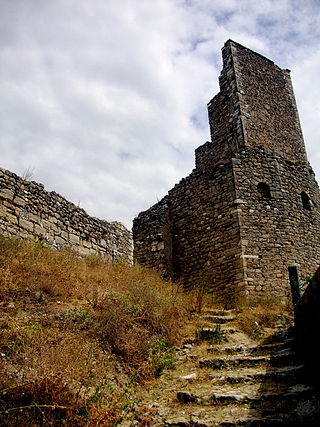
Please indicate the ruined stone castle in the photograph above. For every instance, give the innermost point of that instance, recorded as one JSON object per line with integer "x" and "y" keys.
{"x": 250, "y": 208}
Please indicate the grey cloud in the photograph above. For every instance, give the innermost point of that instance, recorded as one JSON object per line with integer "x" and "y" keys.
{"x": 107, "y": 100}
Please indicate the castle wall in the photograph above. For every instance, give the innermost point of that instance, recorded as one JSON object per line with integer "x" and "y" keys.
{"x": 267, "y": 105}
{"x": 276, "y": 230}
{"x": 201, "y": 218}
{"x": 225, "y": 117}
{"x": 251, "y": 208}
{"x": 307, "y": 323}
{"x": 153, "y": 238}
{"x": 255, "y": 107}
{"x": 28, "y": 211}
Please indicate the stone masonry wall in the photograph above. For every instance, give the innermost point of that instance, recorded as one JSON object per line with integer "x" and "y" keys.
{"x": 28, "y": 211}
{"x": 153, "y": 246}
{"x": 267, "y": 103}
{"x": 251, "y": 208}
{"x": 276, "y": 229}
{"x": 255, "y": 107}
{"x": 225, "y": 117}
{"x": 307, "y": 324}
{"x": 201, "y": 217}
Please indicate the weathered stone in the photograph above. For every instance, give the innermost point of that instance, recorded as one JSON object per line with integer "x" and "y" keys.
{"x": 6, "y": 194}
{"x": 18, "y": 201}
{"x": 189, "y": 377}
{"x": 251, "y": 207}
{"x": 28, "y": 225}
{"x": 177, "y": 422}
{"x": 35, "y": 213}
{"x": 185, "y": 397}
{"x": 74, "y": 239}
{"x": 38, "y": 230}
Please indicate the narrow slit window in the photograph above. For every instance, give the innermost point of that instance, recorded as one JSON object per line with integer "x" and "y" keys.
{"x": 306, "y": 201}
{"x": 264, "y": 190}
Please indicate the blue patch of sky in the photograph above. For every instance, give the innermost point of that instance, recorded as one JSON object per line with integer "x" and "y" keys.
{"x": 186, "y": 3}
{"x": 224, "y": 17}
{"x": 196, "y": 122}
{"x": 175, "y": 149}
{"x": 272, "y": 28}
{"x": 197, "y": 42}
{"x": 125, "y": 155}
{"x": 268, "y": 27}
{"x": 199, "y": 119}
{"x": 265, "y": 22}
{"x": 190, "y": 45}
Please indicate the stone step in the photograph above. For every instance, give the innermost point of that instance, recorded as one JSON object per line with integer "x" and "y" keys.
{"x": 293, "y": 410}
{"x": 287, "y": 375}
{"x": 217, "y": 312}
{"x": 283, "y": 421}
{"x": 283, "y": 358}
{"x": 213, "y": 421}
{"x": 257, "y": 350}
{"x": 254, "y": 394}
{"x": 219, "y": 319}
{"x": 281, "y": 336}
{"x": 222, "y": 332}
{"x": 228, "y": 362}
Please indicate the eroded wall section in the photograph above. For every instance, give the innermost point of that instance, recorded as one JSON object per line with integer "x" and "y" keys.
{"x": 193, "y": 235}
{"x": 251, "y": 207}
{"x": 28, "y": 211}
{"x": 278, "y": 226}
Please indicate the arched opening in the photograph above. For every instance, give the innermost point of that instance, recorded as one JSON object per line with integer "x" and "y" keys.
{"x": 306, "y": 201}
{"x": 264, "y": 190}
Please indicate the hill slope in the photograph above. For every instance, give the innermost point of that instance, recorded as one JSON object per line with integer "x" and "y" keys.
{"x": 77, "y": 335}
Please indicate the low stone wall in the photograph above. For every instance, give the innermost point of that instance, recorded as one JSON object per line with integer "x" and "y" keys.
{"x": 27, "y": 211}
{"x": 307, "y": 326}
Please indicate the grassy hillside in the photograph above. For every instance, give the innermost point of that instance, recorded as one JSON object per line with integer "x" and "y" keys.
{"x": 78, "y": 335}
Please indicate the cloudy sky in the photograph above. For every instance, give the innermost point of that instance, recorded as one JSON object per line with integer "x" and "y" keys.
{"x": 104, "y": 101}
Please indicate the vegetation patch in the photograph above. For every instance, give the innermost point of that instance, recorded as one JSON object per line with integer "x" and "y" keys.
{"x": 77, "y": 336}
{"x": 215, "y": 335}
{"x": 260, "y": 314}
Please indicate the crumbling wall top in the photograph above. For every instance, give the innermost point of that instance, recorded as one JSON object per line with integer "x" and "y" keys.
{"x": 255, "y": 108}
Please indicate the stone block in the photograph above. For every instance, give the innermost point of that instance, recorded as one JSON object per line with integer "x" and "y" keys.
{"x": 74, "y": 239}
{"x": 19, "y": 201}
{"x": 28, "y": 225}
{"x": 40, "y": 231}
{"x": 59, "y": 240}
{"x": 6, "y": 194}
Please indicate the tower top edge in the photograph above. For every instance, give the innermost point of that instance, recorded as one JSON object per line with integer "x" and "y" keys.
{"x": 236, "y": 46}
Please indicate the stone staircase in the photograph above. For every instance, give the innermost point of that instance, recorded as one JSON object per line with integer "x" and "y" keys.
{"x": 224, "y": 378}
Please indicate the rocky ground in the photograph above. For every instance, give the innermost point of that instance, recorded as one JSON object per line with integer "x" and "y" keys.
{"x": 224, "y": 377}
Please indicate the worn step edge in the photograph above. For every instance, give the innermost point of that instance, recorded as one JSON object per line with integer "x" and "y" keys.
{"x": 298, "y": 390}
{"x": 284, "y": 335}
{"x": 257, "y": 350}
{"x": 305, "y": 391}
{"x": 277, "y": 375}
{"x": 219, "y": 319}
{"x": 230, "y": 362}
{"x": 251, "y": 418}
{"x": 213, "y": 312}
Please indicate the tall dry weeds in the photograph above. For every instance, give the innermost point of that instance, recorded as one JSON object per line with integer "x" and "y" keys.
{"x": 76, "y": 334}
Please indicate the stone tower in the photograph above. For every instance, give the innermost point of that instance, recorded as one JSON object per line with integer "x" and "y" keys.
{"x": 251, "y": 207}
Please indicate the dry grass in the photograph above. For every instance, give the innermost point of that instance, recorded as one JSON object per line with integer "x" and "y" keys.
{"x": 77, "y": 335}
{"x": 259, "y": 315}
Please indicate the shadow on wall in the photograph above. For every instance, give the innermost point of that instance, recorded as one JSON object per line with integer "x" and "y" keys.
{"x": 307, "y": 327}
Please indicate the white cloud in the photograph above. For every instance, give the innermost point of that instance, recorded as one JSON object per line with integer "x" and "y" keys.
{"x": 106, "y": 101}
